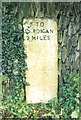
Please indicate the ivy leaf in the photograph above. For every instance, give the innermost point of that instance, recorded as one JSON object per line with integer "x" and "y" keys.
{"x": 27, "y": 83}
{"x": 75, "y": 114}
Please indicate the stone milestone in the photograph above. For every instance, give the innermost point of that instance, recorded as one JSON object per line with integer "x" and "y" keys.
{"x": 41, "y": 47}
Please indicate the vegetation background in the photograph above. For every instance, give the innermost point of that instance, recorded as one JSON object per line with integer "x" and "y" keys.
{"x": 14, "y": 82}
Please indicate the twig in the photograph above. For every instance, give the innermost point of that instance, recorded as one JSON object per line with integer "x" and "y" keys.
{"x": 11, "y": 112}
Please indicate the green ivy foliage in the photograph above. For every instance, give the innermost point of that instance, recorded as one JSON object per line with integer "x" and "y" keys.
{"x": 67, "y": 106}
{"x": 69, "y": 94}
{"x": 13, "y": 56}
{"x": 13, "y": 69}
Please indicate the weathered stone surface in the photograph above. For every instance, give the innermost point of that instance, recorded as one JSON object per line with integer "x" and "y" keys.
{"x": 78, "y": 46}
{"x": 76, "y": 63}
{"x": 74, "y": 28}
{"x": 65, "y": 22}
{"x": 60, "y": 37}
{"x": 63, "y": 69}
{"x": 77, "y": 55}
{"x": 59, "y": 55}
{"x": 72, "y": 19}
{"x": 70, "y": 42}
{"x": 64, "y": 54}
{"x": 69, "y": 29}
{"x": 42, "y": 61}
{"x": 74, "y": 40}
{"x": 80, "y": 43}
{"x": 67, "y": 64}
{"x": 60, "y": 23}
{"x": 69, "y": 46}
{"x": 64, "y": 38}
{"x": 59, "y": 51}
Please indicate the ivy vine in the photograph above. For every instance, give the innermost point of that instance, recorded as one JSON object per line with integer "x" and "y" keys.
{"x": 13, "y": 56}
